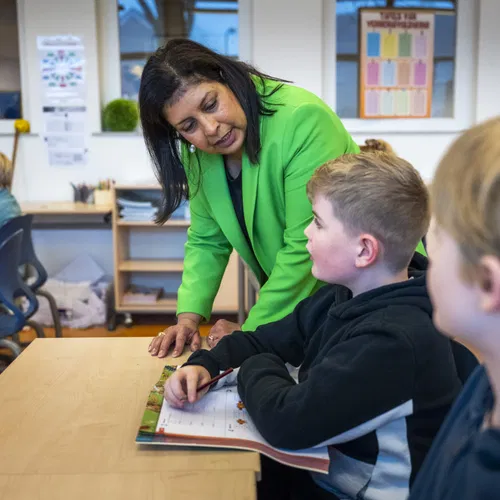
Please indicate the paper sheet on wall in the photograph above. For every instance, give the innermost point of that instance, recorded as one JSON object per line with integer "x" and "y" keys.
{"x": 63, "y": 89}
{"x": 396, "y": 63}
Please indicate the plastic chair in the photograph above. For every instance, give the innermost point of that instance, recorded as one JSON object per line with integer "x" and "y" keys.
{"x": 28, "y": 257}
{"x": 12, "y": 319}
{"x": 11, "y": 346}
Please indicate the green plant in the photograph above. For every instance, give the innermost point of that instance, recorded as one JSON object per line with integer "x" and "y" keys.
{"x": 121, "y": 115}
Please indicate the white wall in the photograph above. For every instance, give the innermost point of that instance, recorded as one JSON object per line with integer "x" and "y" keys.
{"x": 488, "y": 61}
{"x": 291, "y": 49}
{"x": 299, "y": 50}
{"x": 286, "y": 38}
{"x": 120, "y": 156}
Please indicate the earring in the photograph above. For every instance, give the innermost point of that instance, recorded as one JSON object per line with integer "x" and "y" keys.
{"x": 192, "y": 148}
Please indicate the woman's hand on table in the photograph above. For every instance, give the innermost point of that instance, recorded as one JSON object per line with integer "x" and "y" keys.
{"x": 182, "y": 386}
{"x": 221, "y": 329}
{"x": 184, "y": 332}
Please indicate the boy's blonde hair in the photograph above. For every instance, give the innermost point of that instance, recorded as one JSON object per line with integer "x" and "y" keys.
{"x": 5, "y": 172}
{"x": 465, "y": 193}
{"x": 377, "y": 193}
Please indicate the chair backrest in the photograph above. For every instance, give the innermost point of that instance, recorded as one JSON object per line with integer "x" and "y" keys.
{"x": 28, "y": 255}
{"x": 10, "y": 251}
{"x": 12, "y": 319}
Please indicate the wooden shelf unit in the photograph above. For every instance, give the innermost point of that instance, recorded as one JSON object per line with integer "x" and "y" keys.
{"x": 167, "y": 266}
{"x": 226, "y": 300}
{"x": 64, "y": 208}
{"x": 164, "y": 304}
{"x": 147, "y": 223}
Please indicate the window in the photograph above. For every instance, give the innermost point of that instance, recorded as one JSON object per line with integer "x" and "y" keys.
{"x": 147, "y": 24}
{"x": 348, "y": 53}
{"x": 10, "y": 79}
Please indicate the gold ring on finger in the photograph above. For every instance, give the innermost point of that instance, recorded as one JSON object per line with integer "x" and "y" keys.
{"x": 161, "y": 334}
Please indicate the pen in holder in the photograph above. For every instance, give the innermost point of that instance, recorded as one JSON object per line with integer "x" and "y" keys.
{"x": 83, "y": 193}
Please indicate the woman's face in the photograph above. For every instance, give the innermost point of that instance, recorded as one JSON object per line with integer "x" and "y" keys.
{"x": 209, "y": 116}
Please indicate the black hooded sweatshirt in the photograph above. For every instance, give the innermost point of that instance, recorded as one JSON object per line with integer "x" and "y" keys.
{"x": 376, "y": 380}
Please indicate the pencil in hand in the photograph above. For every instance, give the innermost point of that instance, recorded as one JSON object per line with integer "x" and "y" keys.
{"x": 215, "y": 379}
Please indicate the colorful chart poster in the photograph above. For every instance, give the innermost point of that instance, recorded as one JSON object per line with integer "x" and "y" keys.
{"x": 396, "y": 63}
{"x": 64, "y": 99}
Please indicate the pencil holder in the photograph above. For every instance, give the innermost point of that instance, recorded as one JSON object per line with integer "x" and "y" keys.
{"x": 103, "y": 197}
{"x": 83, "y": 194}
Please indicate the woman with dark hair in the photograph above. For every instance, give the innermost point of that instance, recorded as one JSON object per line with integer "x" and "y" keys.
{"x": 241, "y": 146}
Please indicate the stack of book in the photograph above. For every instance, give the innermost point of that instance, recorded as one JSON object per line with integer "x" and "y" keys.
{"x": 137, "y": 211}
{"x": 136, "y": 294}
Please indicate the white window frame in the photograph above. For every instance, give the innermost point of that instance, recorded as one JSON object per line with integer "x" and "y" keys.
{"x": 7, "y": 126}
{"x": 109, "y": 45}
{"x": 464, "y": 86}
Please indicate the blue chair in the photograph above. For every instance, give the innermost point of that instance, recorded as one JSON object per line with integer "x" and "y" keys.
{"x": 12, "y": 319}
{"x": 28, "y": 258}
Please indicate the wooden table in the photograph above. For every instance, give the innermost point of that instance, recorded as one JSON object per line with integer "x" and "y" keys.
{"x": 69, "y": 414}
{"x": 65, "y": 215}
{"x": 64, "y": 208}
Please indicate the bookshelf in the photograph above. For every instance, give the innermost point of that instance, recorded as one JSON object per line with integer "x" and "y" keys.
{"x": 128, "y": 267}
{"x": 170, "y": 223}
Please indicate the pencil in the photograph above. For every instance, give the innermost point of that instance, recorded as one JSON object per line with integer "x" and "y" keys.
{"x": 215, "y": 379}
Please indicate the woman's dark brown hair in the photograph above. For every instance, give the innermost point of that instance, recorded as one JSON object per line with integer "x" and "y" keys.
{"x": 171, "y": 69}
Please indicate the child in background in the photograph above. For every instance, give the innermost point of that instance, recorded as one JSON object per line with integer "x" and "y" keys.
{"x": 376, "y": 379}
{"x": 372, "y": 145}
{"x": 464, "y": 283}
{"x": 9, "y": 207}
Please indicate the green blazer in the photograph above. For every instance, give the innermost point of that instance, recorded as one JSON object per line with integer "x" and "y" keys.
{"x": 302, "y": 135}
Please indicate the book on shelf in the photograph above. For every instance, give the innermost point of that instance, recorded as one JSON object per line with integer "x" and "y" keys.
{"x": 136, "y": 294}
{"x": 134, "y": 203}
{"x": 137, "y": 210}
{"x": 218, "y": 420}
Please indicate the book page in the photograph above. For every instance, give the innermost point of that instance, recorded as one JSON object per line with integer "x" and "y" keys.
{"x": 219, "y": 414}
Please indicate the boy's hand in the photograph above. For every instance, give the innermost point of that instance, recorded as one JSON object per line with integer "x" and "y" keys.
{"x": 181, "y": 387}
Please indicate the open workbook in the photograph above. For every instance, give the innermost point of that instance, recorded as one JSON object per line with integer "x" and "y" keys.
{"x": 218, "y": 420}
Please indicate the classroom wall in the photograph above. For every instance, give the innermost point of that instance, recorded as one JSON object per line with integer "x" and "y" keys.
{"x": 121, "y": 156}
{"x": 295, "y": 49}
{"x": 292, "y": 48}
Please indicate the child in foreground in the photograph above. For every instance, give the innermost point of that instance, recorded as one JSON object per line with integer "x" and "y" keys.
{"x": 376, "y": 379}
{"x": 464, "y": 283}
